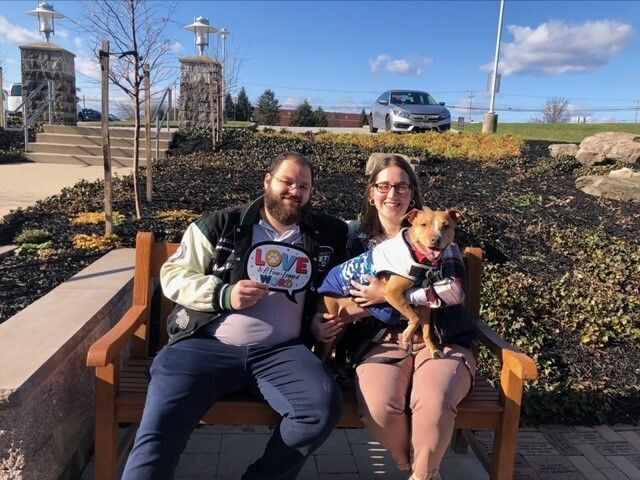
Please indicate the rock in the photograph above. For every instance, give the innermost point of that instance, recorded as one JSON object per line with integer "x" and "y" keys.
{"x": 622, "y": 184}
{"x": 377, "y": 157}
{"x": 558, "y": 150}
{"x": 608, "y": 147}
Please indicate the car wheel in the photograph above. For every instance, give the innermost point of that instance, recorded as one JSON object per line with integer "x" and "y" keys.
{"x": 372, "y": 129}
{"x": 387, "y": 123}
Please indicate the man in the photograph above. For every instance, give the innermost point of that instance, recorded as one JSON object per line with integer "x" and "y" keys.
{"x": 244, "y": 282}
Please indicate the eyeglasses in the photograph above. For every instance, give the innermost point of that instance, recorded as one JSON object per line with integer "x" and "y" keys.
{"x": 400, "y": 188}
{"x": 291, "y": 185}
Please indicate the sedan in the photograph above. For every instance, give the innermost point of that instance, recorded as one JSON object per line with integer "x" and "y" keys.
{"x": 408, "y": 111}
{"x": 89, "y": 115}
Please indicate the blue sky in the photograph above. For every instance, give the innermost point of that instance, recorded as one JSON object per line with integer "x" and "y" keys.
{"x": 342, "y": 55}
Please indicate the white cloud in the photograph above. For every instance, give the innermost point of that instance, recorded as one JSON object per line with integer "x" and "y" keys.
{"x": 15, "y": 33}
{"x": 89, "y": 66}
{"x": 176, "y": 47}
{"x": 399, "y": 66}
{"x": 557, "y": 47}
{"x": 79, "y": 42}
{"x": 291, "y": 102}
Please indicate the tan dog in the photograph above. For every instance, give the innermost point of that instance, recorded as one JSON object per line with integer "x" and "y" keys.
{"x": 430, "y": 233}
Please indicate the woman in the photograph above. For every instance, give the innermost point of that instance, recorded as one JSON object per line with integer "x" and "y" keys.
{"x": 407, "y": 401}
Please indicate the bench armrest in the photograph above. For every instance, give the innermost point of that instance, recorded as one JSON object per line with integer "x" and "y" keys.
{"x": 104, "y": 350}
{"x": 520, "y": 364}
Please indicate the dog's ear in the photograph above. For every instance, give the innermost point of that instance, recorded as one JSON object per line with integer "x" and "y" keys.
{"x": 456, "y": 215}
{"x": 410, "y": 216}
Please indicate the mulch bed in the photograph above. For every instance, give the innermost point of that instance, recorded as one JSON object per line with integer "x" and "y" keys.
{"x": 503, "y": 203}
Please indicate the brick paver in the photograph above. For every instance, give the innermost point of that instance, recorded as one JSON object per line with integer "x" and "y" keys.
{"x": 547, "y": 452}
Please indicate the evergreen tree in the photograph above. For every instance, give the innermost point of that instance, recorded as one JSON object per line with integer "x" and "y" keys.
{"x": 243, "y": 106}
{"x": 363, "y": 119}
{"x": 268, "y": 109}
{"x": 229, "y": 107}
{"x": 320, "y": 118}
{"x": 303, "y": 116}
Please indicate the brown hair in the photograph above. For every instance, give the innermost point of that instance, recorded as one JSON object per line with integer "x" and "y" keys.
{"x": 369, "y": 221}
{"x": 295, "y": 156}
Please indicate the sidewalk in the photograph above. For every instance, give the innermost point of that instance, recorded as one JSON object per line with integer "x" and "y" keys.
{"x": 548, "y": 452}
{"x": 23, "y": 184}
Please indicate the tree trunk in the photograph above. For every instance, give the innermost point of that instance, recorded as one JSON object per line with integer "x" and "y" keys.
{"x": 136, "y": 156}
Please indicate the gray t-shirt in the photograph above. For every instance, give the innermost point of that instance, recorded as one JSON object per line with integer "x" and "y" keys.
{"x": 275, "y": 318}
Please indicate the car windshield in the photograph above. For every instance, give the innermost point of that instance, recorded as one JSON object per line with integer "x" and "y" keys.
{"x": 16, "y": 90}
{"x": 412, "y": 98}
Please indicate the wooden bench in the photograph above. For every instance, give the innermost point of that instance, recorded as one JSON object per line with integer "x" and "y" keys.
{"x": 121, "y": 376}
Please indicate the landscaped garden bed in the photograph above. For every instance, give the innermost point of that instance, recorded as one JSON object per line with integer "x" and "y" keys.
{"x": 561, "y": 280}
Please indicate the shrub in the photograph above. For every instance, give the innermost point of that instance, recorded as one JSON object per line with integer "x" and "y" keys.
{"x": 94, "y": 218}
{"x": 95, "y": 242}
{"x": 33, "y": 236}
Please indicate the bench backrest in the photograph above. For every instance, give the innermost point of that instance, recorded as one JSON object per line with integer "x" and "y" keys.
{"x": 150, "y": 256}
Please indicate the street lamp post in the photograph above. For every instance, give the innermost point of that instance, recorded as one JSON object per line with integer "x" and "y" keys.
{"x": 46, "y": 15}
{"x": 490, "y": 123}
{"x": 201, "y": 30}
{"x": 224, "y": 33}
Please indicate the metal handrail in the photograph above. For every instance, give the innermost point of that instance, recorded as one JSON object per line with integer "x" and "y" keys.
{"x": 165, "y": 117}
{"x": 27, "y": 121}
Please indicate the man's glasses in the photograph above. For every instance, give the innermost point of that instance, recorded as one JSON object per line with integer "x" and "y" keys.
{"x": 303, "y": 187}
{"x": 400, "y": 188}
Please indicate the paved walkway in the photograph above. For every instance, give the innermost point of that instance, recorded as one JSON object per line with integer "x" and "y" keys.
{"x": 23, "y": 184}
{"x": 549, "y": 452}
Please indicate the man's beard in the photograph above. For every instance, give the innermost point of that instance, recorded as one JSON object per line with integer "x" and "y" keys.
{"x": 285, "y": 214}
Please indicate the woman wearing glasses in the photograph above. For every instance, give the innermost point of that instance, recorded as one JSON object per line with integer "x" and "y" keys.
{"x": 407, "y": 401}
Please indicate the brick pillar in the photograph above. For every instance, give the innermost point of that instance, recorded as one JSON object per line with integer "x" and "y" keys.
{"x": 42, "y": 61}
{"x": 197, "y": 76}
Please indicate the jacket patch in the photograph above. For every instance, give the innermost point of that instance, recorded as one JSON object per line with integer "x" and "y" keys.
{"x": 182, "y": 319}
{"x": 324, "y": 256}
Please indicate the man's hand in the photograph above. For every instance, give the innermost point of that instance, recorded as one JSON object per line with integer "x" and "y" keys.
{"x": 326, "y": 327}
{"x": 246, "y": 293}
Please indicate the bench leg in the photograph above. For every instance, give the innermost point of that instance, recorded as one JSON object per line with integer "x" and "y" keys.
{"x": 106, "y": 443}
{"x": 459, "y": 444}
{"x": 505, "y": 441}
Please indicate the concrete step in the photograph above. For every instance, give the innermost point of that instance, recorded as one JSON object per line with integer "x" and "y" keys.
{"x": 95, "y": 150}
{"x": 95, "y": 140}
{"x": 114, "y": 132}
{"x": 80, "y": 159}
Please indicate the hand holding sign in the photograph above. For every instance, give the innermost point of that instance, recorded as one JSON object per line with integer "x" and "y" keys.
{"x": 282, "y": 267}
{"x": 246, "y": 293}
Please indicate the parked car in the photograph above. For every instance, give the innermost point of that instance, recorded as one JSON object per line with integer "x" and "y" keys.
{"x": 408, "y": 111}
{"x": 113, "y": 118}
{"x": 15, "y": 99}
{"x": 89, "y": 115}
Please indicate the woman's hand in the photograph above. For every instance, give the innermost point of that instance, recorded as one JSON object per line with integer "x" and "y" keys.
{"x": 367, "y": 295}
{"x": 326, "y": 327}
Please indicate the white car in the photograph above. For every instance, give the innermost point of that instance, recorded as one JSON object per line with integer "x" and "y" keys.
{"x": 408, "y": 111}
{"x": 15, "y": 99}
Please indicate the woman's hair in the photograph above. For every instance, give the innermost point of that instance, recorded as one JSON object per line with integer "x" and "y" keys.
{"x": 369, "y": 221}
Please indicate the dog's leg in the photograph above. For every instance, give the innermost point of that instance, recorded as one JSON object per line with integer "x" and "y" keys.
{"x": 424, "y": 312}
{"x": 394, "y": 294}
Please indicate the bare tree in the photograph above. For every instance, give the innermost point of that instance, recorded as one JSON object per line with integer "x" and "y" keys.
{"x": 135, "y": 29}
{"x": 555, "y": 110}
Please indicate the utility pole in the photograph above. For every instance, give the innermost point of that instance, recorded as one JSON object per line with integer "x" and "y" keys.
{"x": 490, "y": 123}
{"x": 637, "y": 108}
{"x": 471, "y": 95}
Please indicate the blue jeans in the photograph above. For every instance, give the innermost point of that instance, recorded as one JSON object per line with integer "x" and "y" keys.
{"x": 189, "y": 376}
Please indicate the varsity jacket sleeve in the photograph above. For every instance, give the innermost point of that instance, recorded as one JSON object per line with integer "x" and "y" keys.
{"x": 183, "y": 276}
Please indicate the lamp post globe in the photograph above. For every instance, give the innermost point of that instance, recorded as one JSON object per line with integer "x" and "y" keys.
{"x": 46, "y": 16}
{"x": 201, "y": 30}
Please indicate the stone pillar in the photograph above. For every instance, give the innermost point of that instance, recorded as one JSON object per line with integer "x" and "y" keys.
{"x": 198, "y": 106}
{"x": 47, "y": 61}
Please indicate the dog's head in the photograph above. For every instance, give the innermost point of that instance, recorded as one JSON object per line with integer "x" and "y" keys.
{"x": 432, "y": 230}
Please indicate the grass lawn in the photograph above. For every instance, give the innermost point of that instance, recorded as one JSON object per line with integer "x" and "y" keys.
{"x": 556, "y": 132}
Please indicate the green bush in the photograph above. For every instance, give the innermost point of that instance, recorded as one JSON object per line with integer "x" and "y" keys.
{"x": 32, "y": 235}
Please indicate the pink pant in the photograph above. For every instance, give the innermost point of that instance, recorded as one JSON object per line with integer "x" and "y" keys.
{"x": 410, "y": 406}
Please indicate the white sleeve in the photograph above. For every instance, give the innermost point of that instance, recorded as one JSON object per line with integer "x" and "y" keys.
{"x": 182, "y": 276}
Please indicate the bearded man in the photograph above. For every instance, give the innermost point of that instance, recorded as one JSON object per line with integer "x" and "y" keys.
{"x": 244, "y": 281}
